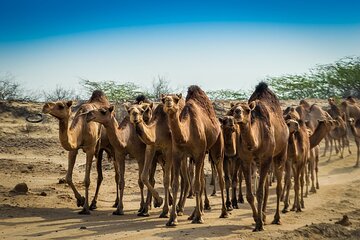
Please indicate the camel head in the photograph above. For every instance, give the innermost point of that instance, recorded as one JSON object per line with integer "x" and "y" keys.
{"x": 242, "y": 112}
{"x": 141, "y": 112}
{"x": 171, "y": 102}
{"x": 60, "y": 109}
{"x": 291, "y": 113}
{"x": 331, "y": 101}
{"x": 293, "y": 125}
{"x": 229, "y": 127}
{"x": 101, "y": 115}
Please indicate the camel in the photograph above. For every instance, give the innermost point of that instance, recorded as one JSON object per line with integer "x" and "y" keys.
{"x": 351, "y": 110}
{"x": 339, "y": 134}
{"x": 194, "y": 130}
{"x": 231, "y": 132}
{"x": 79, "y": 135}
{"x": 157, "y": 137}
{"x": 355, "y": 129}
{"x": 125, "y": 141}
{"x": 298, "y": 152}
{"x": 263, "y": 139}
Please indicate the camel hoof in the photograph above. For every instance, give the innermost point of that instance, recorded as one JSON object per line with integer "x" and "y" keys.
{"x": 115, "y": 205}
{"x": 356, "y": 166}
{"x": 190, "y": 196}
{"x": 276, "y": 221}
{"x": 285, "y": 210}
{"x": 235, "y": 205}
{"x": 80, "y": 202}
{"x": 207, "y": 206}
{"x": 118, "y": 212}
{"x": 224, "y": 215}
{"x": 158, "y": 203}
{"x": 164, "y": 214}
{"x": 313, "y": 190}
{"x": 241, "y": 200}
{"x": 317, "y": 186}
{"x": 143, "y": 214}
{"x": 298, "y": 210}
{"x": 258, "y": 228}
{"x": 84, "y": 212}
{"x": 198, "y": 220}
{"x": 172, "y": 223}
{"x": 93, "y": 205}
{"x": 180, "y": 213}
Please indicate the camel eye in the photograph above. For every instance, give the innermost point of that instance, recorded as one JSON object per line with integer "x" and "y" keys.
{"x": 103, "y": 112}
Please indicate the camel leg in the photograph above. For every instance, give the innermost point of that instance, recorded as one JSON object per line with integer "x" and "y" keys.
{"x": 117, "y": 174}
{"x": 296, "y": 205}
{"x": 357, "y": 141}
{"x": 279, "y": 163}
{"x": 89, "y": 159}
{"x": 120, "y": 161}
{"x": 191, "y": 178}
{"x": 246, "y": 167}
{"x": 99, "y": 178}
{"x": 219, "y": 168}
{"x": 266, "y": 195}
{"x": 177, "y": 158}
{"x": 234, "y": 181}
{"x": 167, "y": 172}
{"x": 227, "y": 182}
{"x": 347, "y": 143}
{"x": 285, "y": 195}
{"x": 317, "y": 167}
{"x": 71, "y": 162}
{"x": 302, "y": 175}
{"x": 264, "y": 170}
{"x": 149, "y": 156}
{"x": 206, "y": 200}
{"x": 141, "y": 184}
{"x": 213, "y": 176}
{"x": 326, "y": 145}
{"x": 342, "y": 140}
{"x": 331, "y": 146}
{"x": 240, "y": 175}
{"x": 307, "y": 178}
{"x": 147, "y": 205}
{"x": 185, "y": 177}
{"x": 199, "y": 168}
{"x": 312, "y": 170}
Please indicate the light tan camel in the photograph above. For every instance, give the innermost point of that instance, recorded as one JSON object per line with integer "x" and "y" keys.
{"x": 298, "y": 152}
{"x": 157, "y": 137}
{"x": 79, "y": 135}
{"x": 194, "y": 130}
{"x": 125, "y": 141}
{"x": 355, "y": 129}
{"x": 351, "y": 109}
{"x": 263, "y": 139}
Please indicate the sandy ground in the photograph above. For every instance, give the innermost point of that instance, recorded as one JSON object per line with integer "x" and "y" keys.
{"x": 31, "y": 153}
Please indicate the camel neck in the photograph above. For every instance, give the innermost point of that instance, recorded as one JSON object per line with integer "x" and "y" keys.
{"x": 247, "y": 135}
{"x": 146, "y": 132}
{"x": 66, "y": 135}
{"x": 318, "y": 134}
{"x": 115, "y": 134}
{"x": 179, "y": 132}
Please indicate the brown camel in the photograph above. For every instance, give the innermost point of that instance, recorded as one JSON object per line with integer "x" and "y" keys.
{"x": 79, "y": 135}
{"x": 355, "y": 129}
{"x": 351, "y": 110}
{"x": 194, "y": 130}
{"x": 231, "y": 133}
{"x": 125, "y": 141}
{"x": 157, "y": 137}
{"x": 298, "y": 152}
{"x": 263, "y": 139}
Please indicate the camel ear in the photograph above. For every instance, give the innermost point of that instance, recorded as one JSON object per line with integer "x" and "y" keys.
{"x": 179, "y": 95}
{"x": 151, "y": 105}
{"x": 162, "y": 97}
{"x": 127, "y": 107}
{"x": 111, "y": 108}
{"x": 69, "y": 103}
{"x": 221, "y": 120}
{"x": 232, "y": 105}
{"x": 252, "y": 105}
{"x": 144, "y": 108}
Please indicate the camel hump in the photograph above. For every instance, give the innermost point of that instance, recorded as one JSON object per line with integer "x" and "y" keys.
{"x": 141, "y": 98}
{"x": 98, "y": 96}
{"x": 196, "y": 94}
{"x": 263, "y": 93}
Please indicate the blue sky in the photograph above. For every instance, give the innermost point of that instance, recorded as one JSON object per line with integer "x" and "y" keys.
{"x": 216, "y": 44}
